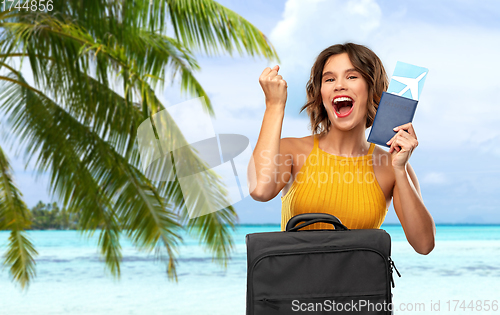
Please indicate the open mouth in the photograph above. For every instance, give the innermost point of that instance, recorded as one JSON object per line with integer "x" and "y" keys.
{"x": 342, "y": 105}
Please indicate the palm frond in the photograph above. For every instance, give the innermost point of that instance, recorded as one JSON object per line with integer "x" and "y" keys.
{"x": 201, "y": 25}
{"x": 14, "y": 217}
{"x": 88, "y": 174}
{"x": 142, "y": 58}
{"x": 96, "y": 65}
{"x": 206, "y": 25}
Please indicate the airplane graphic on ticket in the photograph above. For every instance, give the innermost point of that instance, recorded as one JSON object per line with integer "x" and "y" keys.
{"x": 407, "y": 80}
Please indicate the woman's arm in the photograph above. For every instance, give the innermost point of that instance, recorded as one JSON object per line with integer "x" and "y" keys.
{"x": 416, "y": 220}
{"x": 270, "y": 166}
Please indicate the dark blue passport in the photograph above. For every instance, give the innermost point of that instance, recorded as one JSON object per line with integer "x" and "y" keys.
{"x": 393, "y": 111}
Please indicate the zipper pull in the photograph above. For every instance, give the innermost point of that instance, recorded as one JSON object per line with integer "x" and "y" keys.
{"x": 270, "y": 303}
{"x": 391, "y": 263}
{"x": 395, "y": 268}
{"x": 392, "y": 278}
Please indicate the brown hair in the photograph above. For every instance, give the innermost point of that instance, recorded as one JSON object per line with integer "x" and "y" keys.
{"x": 365, "y": 62}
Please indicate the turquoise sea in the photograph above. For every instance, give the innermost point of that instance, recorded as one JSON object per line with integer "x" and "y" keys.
{"x": 461, "y": 276}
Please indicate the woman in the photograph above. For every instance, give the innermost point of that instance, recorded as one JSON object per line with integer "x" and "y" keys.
{"x": 336, "y": 170}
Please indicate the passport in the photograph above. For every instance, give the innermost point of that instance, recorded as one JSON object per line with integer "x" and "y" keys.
{"x": 398, "y": 105}
{"x": 393, "y": 111}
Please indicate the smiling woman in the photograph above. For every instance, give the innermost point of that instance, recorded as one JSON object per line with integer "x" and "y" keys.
{"x": 336, "y": 170}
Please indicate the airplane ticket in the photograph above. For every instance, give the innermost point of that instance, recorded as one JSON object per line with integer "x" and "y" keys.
{"x": 407, "y": 80}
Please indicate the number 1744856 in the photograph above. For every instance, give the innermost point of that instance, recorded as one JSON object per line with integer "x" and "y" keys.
{"x": 27, "y": 5}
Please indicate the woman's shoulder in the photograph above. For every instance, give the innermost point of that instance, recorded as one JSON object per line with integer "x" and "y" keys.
{"x": 299, "y": 145}
{"x": 381, "y": 154}
{"x": 384, "y": 172}
{"x": 382, "y": 158}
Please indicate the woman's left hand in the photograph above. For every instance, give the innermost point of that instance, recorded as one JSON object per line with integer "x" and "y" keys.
{"x": 402, "y": 145}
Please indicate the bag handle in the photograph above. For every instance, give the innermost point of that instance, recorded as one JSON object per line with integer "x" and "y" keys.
{"x": 311, "y": 218}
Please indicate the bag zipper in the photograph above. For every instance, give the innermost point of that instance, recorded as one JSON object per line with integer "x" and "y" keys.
{"x": 391, "y": 262}
{"x": 313, "y": 250}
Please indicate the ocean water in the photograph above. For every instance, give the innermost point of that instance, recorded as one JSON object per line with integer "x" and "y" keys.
{"x": 460, "y": 276}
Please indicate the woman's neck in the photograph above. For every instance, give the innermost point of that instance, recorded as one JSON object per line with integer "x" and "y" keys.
{"x": 345, "y": 143}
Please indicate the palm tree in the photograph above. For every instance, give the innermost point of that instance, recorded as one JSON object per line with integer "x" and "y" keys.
{"x": 81, "y": 126}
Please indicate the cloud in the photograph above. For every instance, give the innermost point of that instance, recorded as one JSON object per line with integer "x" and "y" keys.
{"x": 308, "y": 27}
{"x": 434, "y": 178}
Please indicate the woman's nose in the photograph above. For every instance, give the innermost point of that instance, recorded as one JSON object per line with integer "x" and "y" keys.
{"x": 339, "y": 85}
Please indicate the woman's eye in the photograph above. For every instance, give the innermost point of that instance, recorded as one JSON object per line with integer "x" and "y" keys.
{"x": 329, "y": 80}
{"x": 352, "y": 77}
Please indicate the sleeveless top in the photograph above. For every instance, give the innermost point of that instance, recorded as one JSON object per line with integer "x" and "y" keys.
{"x": 345, "y": 187}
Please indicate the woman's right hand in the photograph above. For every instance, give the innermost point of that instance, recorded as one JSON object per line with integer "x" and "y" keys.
{"x": 269, "y": 169}
{"x": 274, "y": 87}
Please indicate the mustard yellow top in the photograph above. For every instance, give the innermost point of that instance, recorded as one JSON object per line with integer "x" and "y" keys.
{"x": 343, "y": 186}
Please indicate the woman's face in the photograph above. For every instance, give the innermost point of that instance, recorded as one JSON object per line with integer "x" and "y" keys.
{"x": 344, "y": 92}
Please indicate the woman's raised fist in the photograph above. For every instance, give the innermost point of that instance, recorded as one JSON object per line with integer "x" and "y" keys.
{"x": 274, "y": 87}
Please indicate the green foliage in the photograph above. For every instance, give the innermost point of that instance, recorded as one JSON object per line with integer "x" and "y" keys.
{"x": 14, "y": 216}
{"x": 96, "y": 66}
{"x": 51, "y": 217}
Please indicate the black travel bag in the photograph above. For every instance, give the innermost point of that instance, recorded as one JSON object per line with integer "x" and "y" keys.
{"x": 337, "y": 271}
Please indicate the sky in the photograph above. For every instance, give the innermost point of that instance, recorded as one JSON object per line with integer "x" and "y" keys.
{"x": 457, "y": 117}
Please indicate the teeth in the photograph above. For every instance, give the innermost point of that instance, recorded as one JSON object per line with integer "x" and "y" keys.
{"x": 342, "y": 99}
